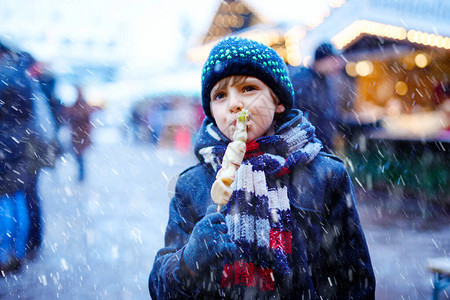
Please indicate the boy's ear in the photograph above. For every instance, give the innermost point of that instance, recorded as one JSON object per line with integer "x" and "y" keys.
{"x": 280, "y": 108}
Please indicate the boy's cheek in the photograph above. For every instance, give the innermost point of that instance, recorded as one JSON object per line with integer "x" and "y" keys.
{"x": 229, "y": 132}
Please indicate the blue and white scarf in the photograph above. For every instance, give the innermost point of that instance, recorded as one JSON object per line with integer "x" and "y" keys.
{"x": 258, "y": 213}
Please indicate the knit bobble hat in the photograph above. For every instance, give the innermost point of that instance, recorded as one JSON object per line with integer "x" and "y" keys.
{"x": 240, "y": 56}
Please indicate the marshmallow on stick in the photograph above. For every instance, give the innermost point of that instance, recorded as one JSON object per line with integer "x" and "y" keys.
{"x": 234, "y": 154}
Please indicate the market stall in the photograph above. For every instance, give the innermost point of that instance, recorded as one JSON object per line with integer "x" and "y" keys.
{"x": 396, "y": 132}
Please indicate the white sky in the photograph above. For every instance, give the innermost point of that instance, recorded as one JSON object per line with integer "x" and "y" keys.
{"x": 152, "y": 34}
{"x": 173, "y": 15}
{"x": 142, "y": 25}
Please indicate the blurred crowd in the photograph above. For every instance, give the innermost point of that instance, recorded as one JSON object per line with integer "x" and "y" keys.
{"x": 166, "y": 122}
{"x": 30, "y": 117}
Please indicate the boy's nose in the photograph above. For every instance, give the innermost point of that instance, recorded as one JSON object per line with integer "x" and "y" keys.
{"x": 235, "y": 104}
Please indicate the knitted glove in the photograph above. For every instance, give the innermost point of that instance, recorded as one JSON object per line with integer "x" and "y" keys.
{"x": 209, "y": 243}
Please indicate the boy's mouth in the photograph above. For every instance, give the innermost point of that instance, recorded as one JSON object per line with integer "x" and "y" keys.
{"x": 235, "y": 118}
{"x": 233, "y": 124}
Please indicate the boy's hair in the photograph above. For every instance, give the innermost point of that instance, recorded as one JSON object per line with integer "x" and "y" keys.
{"x": 240, "y": 56}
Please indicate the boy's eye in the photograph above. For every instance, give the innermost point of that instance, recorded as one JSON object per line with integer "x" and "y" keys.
{"x": 249, "y": 88}
{"x": 218, "y": 96}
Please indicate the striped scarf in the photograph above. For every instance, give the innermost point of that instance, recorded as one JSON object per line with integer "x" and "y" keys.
{"x": 258, "y": 214}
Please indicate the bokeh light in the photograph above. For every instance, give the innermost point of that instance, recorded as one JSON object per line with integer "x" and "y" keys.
{"x": 364, "y": 68}
{"x": 350, "y": 68}
{"x": 401, "y": 88}
{"x": 421, "y": 60}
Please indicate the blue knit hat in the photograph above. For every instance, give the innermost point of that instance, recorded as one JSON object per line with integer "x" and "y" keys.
{"x": 240, "y": 56}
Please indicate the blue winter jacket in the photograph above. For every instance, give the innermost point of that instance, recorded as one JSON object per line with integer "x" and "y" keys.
{"x": 329, "y": 251}
{"x": 15, "y": 122}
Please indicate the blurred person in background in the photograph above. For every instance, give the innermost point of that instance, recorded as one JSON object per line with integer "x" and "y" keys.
{"x": 79, "y": 118}
{"x": 155, "y": 120}
{"x": 47, "y": 83}
{"x": 316, "y": 93}
{"x": 43, "y": 148}
{"x": 15, "y": 119}
{"x": 26, "y": 145}
{"x": 135, "y": 120}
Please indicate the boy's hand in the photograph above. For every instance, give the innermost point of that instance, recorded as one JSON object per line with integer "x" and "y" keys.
{"x": 208, "y": 243}
{"x": 221, "y": 190}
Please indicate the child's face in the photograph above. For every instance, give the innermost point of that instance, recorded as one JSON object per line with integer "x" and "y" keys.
{"x": 229, "y": 97}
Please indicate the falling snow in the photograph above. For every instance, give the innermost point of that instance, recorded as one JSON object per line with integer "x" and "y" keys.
{"x": 101, "y": 236}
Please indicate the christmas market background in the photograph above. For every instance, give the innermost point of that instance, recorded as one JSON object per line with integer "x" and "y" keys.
{"x": 394, "y": 79}
{"x": 140, "y": 65}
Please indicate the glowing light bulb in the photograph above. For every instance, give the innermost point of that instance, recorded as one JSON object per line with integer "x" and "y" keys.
{"x": 401, "y": 88}
{"x": 421, "y": 60}
{"x": 294, "y": 59}
{"x": 307, "y": 60}
{"x": 350, "y": 68}
{"x": 364, "y": 68}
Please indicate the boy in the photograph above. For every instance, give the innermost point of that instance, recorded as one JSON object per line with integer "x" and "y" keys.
{"x": 290, "y": 229}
